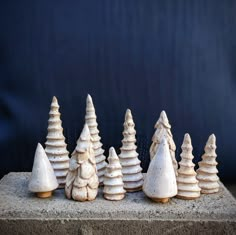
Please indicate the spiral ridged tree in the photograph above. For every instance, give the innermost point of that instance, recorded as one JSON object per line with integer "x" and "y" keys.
{"x": 55, "y": 145}
{"x": 186, "y": 180}
{"x": 91, "y": 120}
{"x": 207, "y": 171}
{"x": 131, "y": 169}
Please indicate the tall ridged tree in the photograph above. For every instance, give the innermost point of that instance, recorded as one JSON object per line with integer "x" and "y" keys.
{"x": 131, "y": 169}
{"x": 91, "y": 120}
{"x": 55, "y": 145}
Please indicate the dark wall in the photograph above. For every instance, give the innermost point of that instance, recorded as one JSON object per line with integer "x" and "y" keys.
{"x": 144, "y": 55}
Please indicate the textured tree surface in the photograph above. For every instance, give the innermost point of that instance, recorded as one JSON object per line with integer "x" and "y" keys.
{"x": 186, "y": 180}
{"x": 163, "y": 127}
{"x": 55, "y": 144}
{"x": 207, "y": 171}
{"x": 91, "y": 120}
{"x": 132, "y": 172}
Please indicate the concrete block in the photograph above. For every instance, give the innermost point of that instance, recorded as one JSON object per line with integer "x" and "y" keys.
{"x": 23, "y": 213}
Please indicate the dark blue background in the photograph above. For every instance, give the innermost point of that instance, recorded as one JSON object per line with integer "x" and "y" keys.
{"x": 144, "y": 55}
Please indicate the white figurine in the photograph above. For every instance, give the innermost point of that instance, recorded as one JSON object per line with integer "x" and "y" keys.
{"x": 82, "y": 180}
{"x": 160, "y": 181}
{"x": 113, "y": 183}
{"x": 207, "y": 171}
{"x": 131, "y": 169}
{"x": 163, "y": 127}
{"x": 90, "y": 119}
{"x": 56, "y": 146}
{"x": 186, "y": 180}
{"x": 42, "y": 180}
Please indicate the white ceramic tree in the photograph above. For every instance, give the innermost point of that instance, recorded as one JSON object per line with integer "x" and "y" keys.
{"x": 207, "y": 171}
{"x": 91, "y": 120}
{"x": 160, "y": 181}
{"x": 55, "y": 144}
{"x": 186, "y": 180}
{"x": 113, "y": 182}
{"x": 131, "y": 169}
{"x": 82, "y": 180}
{"x": 42, "y": 180}
{"x": 163, "y": 128}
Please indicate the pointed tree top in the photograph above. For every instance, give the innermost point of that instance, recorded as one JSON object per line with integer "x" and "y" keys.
{"x": 211, "y": 139}
{"x": 211, "y": 142}
{"x": 128, "y": 114}
{"x": 54, "y": 102}
{"x": 84, "y": 141}
{"x": 112, "y": 156}
{"x": 164, "y": 141}
{"x": 187, "y": 139}
{"x": 42, "y": 178}
{"x": 163, "y": 120}
{"x": 89, "y": 101}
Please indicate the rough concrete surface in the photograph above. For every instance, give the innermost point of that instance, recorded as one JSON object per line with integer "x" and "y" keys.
{"x": 22, "y": 213}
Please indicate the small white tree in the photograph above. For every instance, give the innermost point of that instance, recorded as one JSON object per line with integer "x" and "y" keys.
{"x": 160, "y": 181}
{"x": 42, "y": 180}
{"x": 131, "y": 169}
{"x": 82, "y": 180}
{"x": 163, "y": 127}
{"x": 207, "y": 171}
{"x": 186, "y": 180}
{"x": 113, "y": 182}
{"x": 55, "y": 144}
{"x": 91, "y": 120}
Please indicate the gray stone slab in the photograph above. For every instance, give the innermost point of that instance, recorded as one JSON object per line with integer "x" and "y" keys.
{"x": 23, "y": 213}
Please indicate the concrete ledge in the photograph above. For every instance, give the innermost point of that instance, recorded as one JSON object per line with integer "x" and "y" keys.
{"x": 22, "y": 213}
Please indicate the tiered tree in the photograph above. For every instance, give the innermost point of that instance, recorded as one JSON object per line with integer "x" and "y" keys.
{"x": 90, "y": 119}
{"x": 160, "y": 181}
{"x": 131, "y": 169}
{"x": 82, "y": 180}
{"x": 163, "y": 127}
{"x": 186, "y": 180}
{"x": 113, "y": 183}
{"x": 56, "y": 146}
{"x": 207, "y": 171}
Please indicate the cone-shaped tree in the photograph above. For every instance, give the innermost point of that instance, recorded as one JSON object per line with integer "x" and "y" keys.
{"x": 132, "y": 172}
{"x": 91, "y": 120}
{"x": 207, "y": 171}
{"x": 186, "y": 180}
{"x": 43, "y": 180}
{"x": 82, "y": 180}
{"x": 163, "y": 127}
{"x": 113, "y": 182}
{"x": 55, "y": 144}
{"x": 160, "y": 181}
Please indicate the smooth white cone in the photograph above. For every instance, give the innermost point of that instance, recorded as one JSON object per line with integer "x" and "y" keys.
{"x": 131, "y": 169}
{"x": 42, "y": 178}
{"x": 55, "y": 144}
{"x": 186, "y": 180}
{"x": 113, "y": 182}
{"x": 91, "y": 120}
{"x": 160, "y": 180}
{"x": 207, "y": 171}
{"x": 163, "y": 128}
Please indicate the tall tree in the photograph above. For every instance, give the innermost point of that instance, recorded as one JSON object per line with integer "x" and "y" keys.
{"x": 163, "y": 128}
{"x": 131, "y": 169}
{"x": 91, "y": 120}
{"x": 55, "y": 144}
